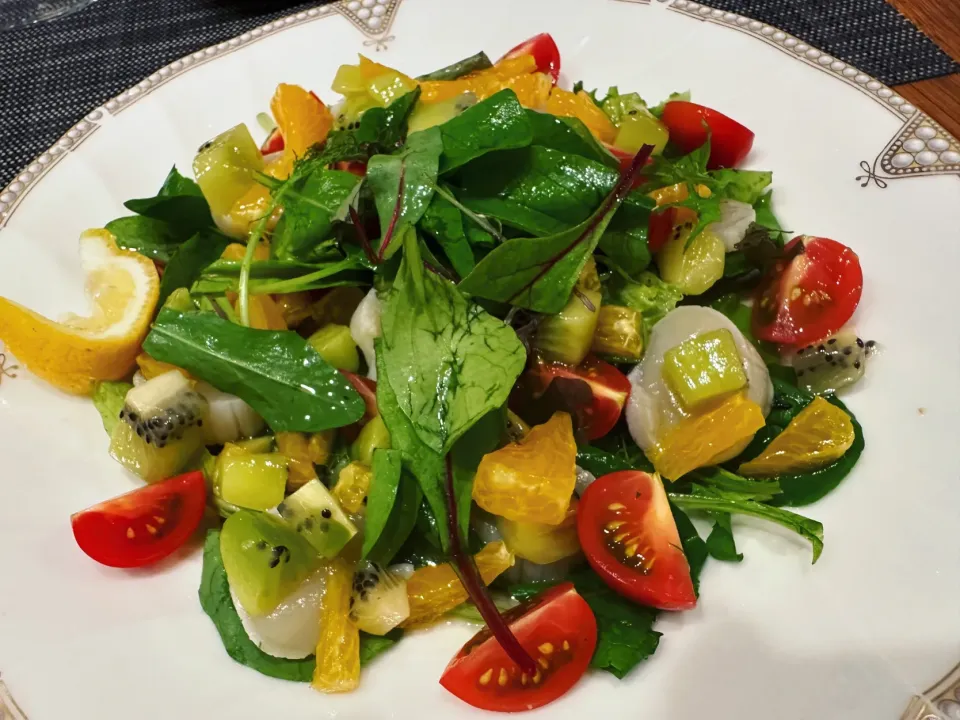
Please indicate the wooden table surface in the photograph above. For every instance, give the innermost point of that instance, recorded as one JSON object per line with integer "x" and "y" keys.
{"x": 938, "y": 97}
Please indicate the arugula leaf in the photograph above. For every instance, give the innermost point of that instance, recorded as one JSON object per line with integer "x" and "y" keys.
{"x": 179, "y": 203}
{"x": 540, "y": 273}
{"x": 694, "y": 548}
{"x": 277, "y": 373}
{"x": 394, "y": 501}
{"x": 147, "y": 236}
{"x": 568, "y": 135}
{"x": 402, "y": 185}
{"x": 187, "y": 264}
{"x": 474, "y": 63}
{"x": 108, "y": 399}
{"x": 218, "y": 605}
{"x": 497, "y": 123}
{"x": 447, "y": 360}
{"x": 311, "y": 205}
{"x": 649, "y": 295}
{"x": 282, "y": 276}
{"x": 759, "y": 489}
{"x": 447, "y": 224}
{"x": 716, "y": 501}
{"x": 720, "y": 542}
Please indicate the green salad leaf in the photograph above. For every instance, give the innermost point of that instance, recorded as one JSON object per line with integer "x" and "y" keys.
{"x": 311, "y": 206}
{"x": 474, "y": 63}
{"x": 455, "y": 233}
{"x": 568, "y": 135}
{"x": 276, "y": 373}
{"x": 720, "y": 542}
{"x": 657, "y": 110}
{"x": 218, "y": 605}
{"x": 154, "y": 238}
{"x": 179, "y": 203}
{"x": 743, "y": 185}
{"x": 189, "y": 261}
{"x": 693, "y": 545}
{"x": 283, "y": 276}
{"x": 402, "y": 186}
{"x": 108, "y": 399}
{"x": 497, "y": 123}
{"x": 393, "y": 503}
{"x": 448, "y": 361}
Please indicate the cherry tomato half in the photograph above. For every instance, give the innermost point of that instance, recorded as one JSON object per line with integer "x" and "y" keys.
{"x": 559, "y": 631}
{"x": 810, "y": 293}
{"x": 597, "y": 412}
{"x": 545, "y": 52}
{"x": 630, "y": 539}
{"x": 143, "y": 526}
{"x": 688, "y": 124}
{"x": 273, "y": 143}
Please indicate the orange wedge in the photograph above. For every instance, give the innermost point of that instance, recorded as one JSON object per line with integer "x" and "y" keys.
{"x": 303, "y": 120}
{"x": 697, "y": 440}
{"x": 579, "y": 105}
{"x": 80, "y": 351}
{"x": 819, "y": 435}
{"x": 338, "y": 647}
{"x": 435, "y": 590}
{"x": 150, "y": 367}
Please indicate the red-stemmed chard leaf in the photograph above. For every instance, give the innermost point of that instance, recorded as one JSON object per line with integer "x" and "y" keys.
{"x": 540, "y": 273}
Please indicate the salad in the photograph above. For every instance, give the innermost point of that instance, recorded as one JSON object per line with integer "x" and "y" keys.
{"x": 465, "y": 345}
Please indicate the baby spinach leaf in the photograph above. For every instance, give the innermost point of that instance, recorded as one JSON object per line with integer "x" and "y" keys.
{"x": 187, "y": 264}
{"x": 764, "y": 209}
{"x": 480, "y": 61}
{"x": 447, "y": 360}
{"x": 497, "y": 123}
{"x": 384, "y": 129}
{"x": 715, "y": 501}
{"x": 402, "y": 185}
{"x": 179, "y": 203}
{"x": 218, "y": 605}
{"x": 720, "y": 542}
{"x": 453, "y": 232}
{"x": 536, "y": 189}
{"x": 394, "y": 501}
{"x": 568, "y": 135}
{"x": 147, "y": 236}
{"x": 277, "y": 373}
{"x": 311, "y": 205}
{"x": 466, "y": 454}
{"x": 627, "y": 248}
{"x": 539, "y": 273}
{"x": 108, "y": 398}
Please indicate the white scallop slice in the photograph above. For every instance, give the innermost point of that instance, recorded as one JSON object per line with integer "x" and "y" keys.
{"x": 735, "y": 218}
{"x": 291, "y": 631}
{"x": 652, "y": 407}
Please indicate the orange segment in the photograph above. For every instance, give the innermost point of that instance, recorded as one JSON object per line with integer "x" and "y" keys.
{"x": 532, "y": 90}
{"x": 483, "y": 84}
{"x": 533, "y": 480}
{"x": 435, "y": 590}
{"x": 264, "y": 313}
{"x": 302, "y": 118}
{"x": 697, "y": 440}
{"x": 579, "y": 105}
{"x": 150, "y": 367}
{"x": 295, "y": 307}
{"x": 338, "y": 647}
{"x": 819, "y": 435}
{"x": 75, "y": 354}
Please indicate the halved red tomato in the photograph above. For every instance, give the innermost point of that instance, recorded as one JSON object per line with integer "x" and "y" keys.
{"x": 689, "y": 124}
{"x": 545, "y": 52}
{"x": 273, "y": 143}
{"x": 810, "y": 293}
{"x": 595, "y": 412}
{"x": 143, "y": 526}
{"x": 357, "y": 168}
{"x": 559, "y": 631}
{"x": 630, "y": 539}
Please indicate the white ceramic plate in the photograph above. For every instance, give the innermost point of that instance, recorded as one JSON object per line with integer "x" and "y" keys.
{"x": 856, "y": 636}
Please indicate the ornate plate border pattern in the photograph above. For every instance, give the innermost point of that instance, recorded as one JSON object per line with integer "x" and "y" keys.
{"x": 920, "y": 147}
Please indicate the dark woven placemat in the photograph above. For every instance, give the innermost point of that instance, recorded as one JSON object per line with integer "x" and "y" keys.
{"x": 53, "y": 73}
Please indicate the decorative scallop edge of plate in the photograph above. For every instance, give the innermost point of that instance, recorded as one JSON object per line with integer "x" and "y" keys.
{"x": 9, "y": 710}
{"x": 921, "y": 147}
